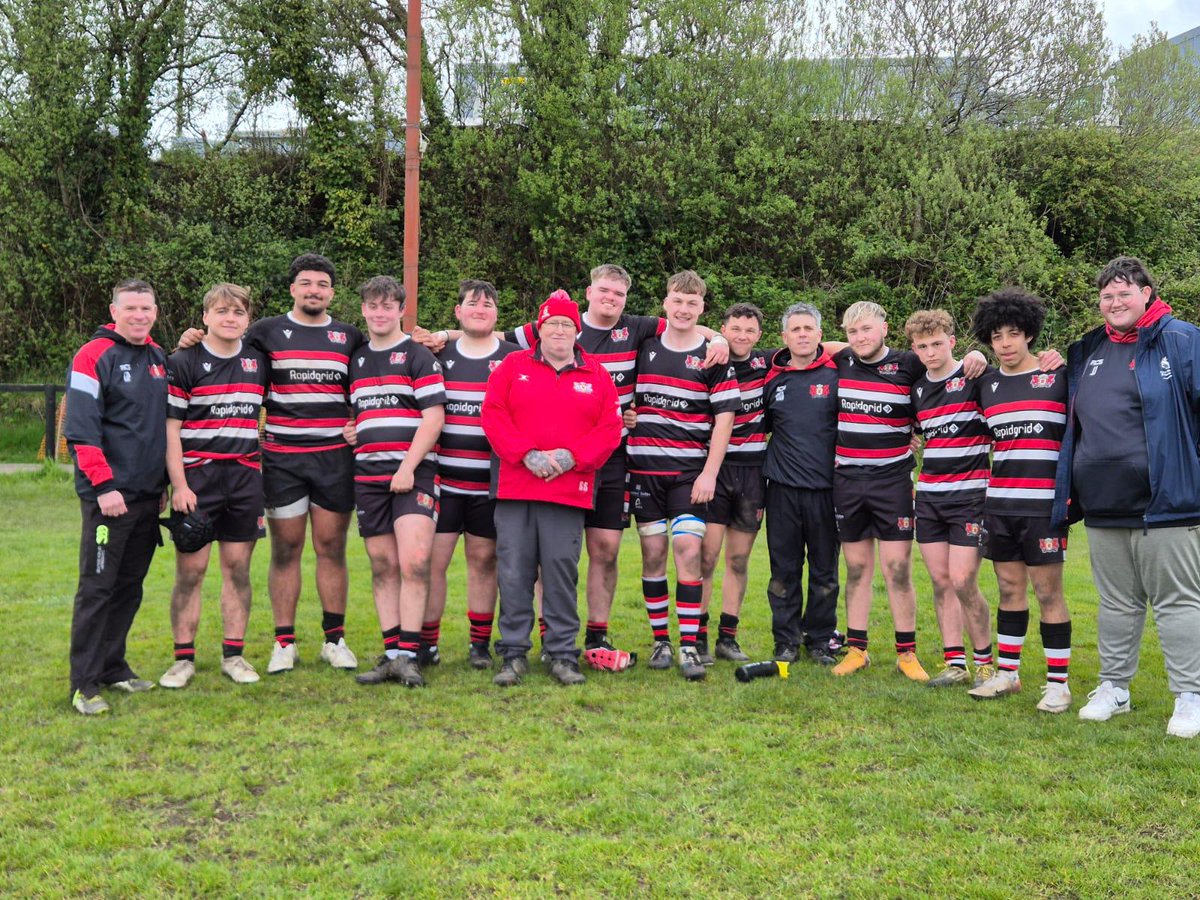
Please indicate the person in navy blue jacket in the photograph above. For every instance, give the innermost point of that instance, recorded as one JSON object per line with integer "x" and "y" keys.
{"x": 1130, "y": 469}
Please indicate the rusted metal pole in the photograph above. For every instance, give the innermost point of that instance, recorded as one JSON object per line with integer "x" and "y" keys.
{"x": 412, "y": 164}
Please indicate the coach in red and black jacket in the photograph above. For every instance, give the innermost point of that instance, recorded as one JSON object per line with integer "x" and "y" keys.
{"x": 552, "y": 417}
{"x": 116, "y": 431}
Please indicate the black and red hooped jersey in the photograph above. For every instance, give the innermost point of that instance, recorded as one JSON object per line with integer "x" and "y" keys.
{"x": 308, "y": 382}
{"x": 218, "y": 398}
{"x": 616, "y": 348}
{"x": 875, "y": 416}
{"x": 464, "y": 452}
{"x": 389, "y": 388}
{"x": 955, "y": 463}
{"x": 1027, "y": 416}
{"x": 748, "y": 445}
{"x": 676, "y": 401}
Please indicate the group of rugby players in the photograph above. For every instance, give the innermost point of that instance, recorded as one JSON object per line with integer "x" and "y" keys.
{"x": 390, "y": 424}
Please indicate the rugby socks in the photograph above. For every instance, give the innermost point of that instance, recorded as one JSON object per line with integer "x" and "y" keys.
{"x": 658, "y": 604}
{"x": 856, "y": 638}
{"x": 334, "y": 625}
{"x": 410, "y": 643}
{"x": 542, "y": 629}
{"x": 1056, "y": 641}
{"x": 982, "y": 656}
{"x": 727, "y": 630}
{"x": 702, "y": 630}
{"x": 596, "y": 633}
{"x": 955, "y": 656}
{"x": 431, "y": 633}
{"x": 1011, "y": 626}
{"x": 906, "y": 642}
{"x": 232, "y": 647}
{"x": 688, "y": 597}
{"x": 480, "y": 627}
{"x": 285, "y": 635}
{"x": 185, "y": 652}
{"x": 391, "y": 642}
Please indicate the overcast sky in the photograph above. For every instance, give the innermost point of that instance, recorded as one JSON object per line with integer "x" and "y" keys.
{"x": 1125, "y": 18}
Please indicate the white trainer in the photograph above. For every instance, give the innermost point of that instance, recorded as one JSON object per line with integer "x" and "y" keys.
{"x": 1185, "y": 723}
{"x": 238, "y": 670}
{"x": 1056, "y": 697}
{"x": 339, "y": 655}
{"x": 283, "y": 659}
{"x": 1105, "y": 702}
{"x": 179, "y": 674}
{"x": 1004, "y": 682}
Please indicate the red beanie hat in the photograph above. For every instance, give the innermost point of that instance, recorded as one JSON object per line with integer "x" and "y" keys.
{"x": 559, "y": 304}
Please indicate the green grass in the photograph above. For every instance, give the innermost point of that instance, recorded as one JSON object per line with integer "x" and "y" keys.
{"x": 20, "y": 438}
{"x": 634, "y": 783}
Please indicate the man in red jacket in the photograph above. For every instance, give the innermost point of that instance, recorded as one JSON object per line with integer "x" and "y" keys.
{"x": 552, "y": 417}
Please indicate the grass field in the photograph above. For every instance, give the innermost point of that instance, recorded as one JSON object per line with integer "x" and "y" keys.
{"x": 637, "y": 783}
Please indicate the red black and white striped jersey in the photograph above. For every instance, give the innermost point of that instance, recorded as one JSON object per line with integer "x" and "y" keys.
{"x": 218, "y": 398}
{"x": 388, "y": 390}
{"x": 464, "y": 452}
{"x": 875, "y": 415}
{"x": 1027, "y": 416}
{"x": 955, "y": 463}
{"x": 615, "y": 348}
{"x": 308, "y": 383}
{"x": 748, "y": 445}
{"x": 676, "y": 401}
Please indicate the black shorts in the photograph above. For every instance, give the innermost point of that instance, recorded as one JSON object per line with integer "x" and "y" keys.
{"x": 739, "y": 500}
{"x": 231, "y": 495}
{"x": 872, "y": 508}
{"x": 958, "y": 523}
{"x": 1027, "y": 539}
{"x": 326, "y": 478}
{"x": 655, "y": 497}
{"x": 612, "y": 496}
{"x": 473, "y": 514}
{"x": 379, "y": 508}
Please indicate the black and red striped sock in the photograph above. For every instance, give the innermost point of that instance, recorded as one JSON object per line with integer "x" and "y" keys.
{"x": 982, "y": 656}
{"x": 285, "y": 635}
{"x": 391, "y": 639}
{"x": 658, "y": 606}
{"x": 1056, "y": 641}
{"x": 1011, "y": 628}
{"x": 431, "y": 632}
{"x": 688, "y": 597}
{"x": 702, "y": 629}
{"x": 480, "y": 627}
{"x": 334, "y": 625}
{"x": 541, "y": 628}
{"x": 955, "y": 656}
{"x": 596, "y": 632}
{"x": 856, "y": 638}
{"x": 232, "y": 647}
{"x": 185, "y": 651}
{"x": 906, "y": 642}
{"x": 728, "y": 627}
{"x": 410, "y": 643}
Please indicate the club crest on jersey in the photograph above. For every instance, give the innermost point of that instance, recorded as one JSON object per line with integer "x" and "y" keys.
{"x": 956, "y": 384}
{"x": 1164, "y": 369}
{"x": 1041, "y": 379}
{"x": 814, "y": 390}
{"x": 1049, "y": 545}
{"x": 398, "y": 359}
{"x": 889, "y": 369}
{"x": 424, "y": 500}
{"x": 493, "y": 364}
{"x": 974, "y": 529}
{"x": 583, "y": 387}
{"x": 759, "y": 362}
{"x": 249, "y": 365}
{"x": 904, "y": 523}
{"x": 692, "y": 362}
{"x": 619, "y": 334}
{"x": 157, "y": 371}
{"x": 337, "y": 337}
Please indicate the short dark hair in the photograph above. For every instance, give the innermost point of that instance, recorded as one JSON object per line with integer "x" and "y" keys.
{"x": 383, "y": 286}
{"x": 311, "y": 262}
{"x": 1012, "y": 307}
{"x": 469, "y": 286}
{"x": 133, "y": 286}
{"x": 744, "y": 311}
{"x": 1129, "y": 269}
